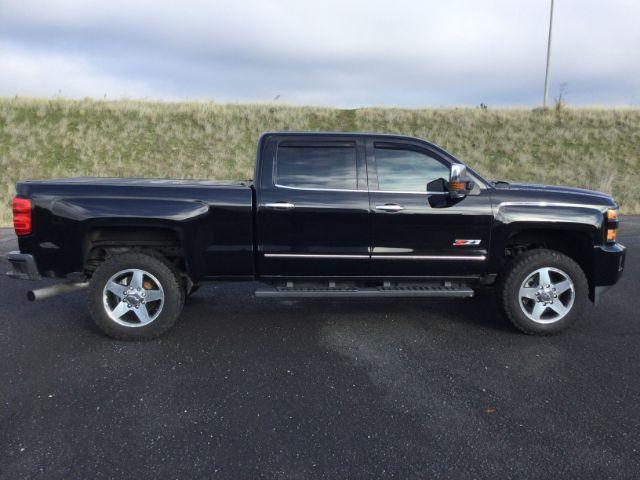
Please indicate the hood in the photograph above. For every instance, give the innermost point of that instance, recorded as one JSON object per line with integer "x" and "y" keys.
{"x": 555, "y": 193}
{"x": 559, "y": 189}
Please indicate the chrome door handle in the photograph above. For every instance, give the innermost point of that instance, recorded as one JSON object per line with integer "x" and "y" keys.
{"x": 280, "y": 205}
{"x": 390, "y": 207}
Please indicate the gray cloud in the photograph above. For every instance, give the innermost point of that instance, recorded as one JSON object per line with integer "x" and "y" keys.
{"x": 407, "y": 53}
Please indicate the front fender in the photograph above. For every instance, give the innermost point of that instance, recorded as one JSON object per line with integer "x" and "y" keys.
{"x": 516, "y": 217}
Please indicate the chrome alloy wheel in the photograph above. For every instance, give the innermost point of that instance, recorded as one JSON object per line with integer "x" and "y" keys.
{"x": 546, "y": 295}
{"x": 133, "y": 298}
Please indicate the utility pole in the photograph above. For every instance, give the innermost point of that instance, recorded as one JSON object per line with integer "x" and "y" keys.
{"x": 546, "y": 74}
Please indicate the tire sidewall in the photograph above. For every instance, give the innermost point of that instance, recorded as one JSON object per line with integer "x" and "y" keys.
{"x": 166, "y": 276}
{"x": 520, "y": 271}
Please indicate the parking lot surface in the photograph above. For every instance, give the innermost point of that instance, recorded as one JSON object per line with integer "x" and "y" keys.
{"x": 351, "y": 388}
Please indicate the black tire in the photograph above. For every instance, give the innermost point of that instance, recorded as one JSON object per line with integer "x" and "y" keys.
{"x": 166, "y": 276}
{"x": 519, "y": 270}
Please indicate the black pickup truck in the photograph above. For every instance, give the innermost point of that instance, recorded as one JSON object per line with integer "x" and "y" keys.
{"x": 327, "y": 215}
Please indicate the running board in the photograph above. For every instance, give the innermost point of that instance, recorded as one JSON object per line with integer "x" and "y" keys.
{"x": 403, "y": 291}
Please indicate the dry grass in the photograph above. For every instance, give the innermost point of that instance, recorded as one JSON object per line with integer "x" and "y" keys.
{"x": 596, "y": 149}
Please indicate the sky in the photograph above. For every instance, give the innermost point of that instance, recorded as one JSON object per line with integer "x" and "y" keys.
{"x": 406, "y": 53}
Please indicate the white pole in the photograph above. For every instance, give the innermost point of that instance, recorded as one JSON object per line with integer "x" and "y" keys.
{"x": 546, "y": 75}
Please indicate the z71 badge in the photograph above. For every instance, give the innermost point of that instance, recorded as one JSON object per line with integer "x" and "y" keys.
{"x": 466, "y": 243}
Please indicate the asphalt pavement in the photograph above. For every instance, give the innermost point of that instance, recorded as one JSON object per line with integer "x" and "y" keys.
{"x": 348, "y": 388}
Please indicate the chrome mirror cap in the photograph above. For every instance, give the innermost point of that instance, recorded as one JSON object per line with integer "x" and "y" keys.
{"x": 458, "y": 187}
{"x": 458, "y": 173}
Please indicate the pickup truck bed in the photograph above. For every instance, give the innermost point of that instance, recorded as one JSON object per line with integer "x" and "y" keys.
{"x": 212, "y": 222}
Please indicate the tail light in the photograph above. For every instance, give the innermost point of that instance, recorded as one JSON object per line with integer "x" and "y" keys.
{"x": 22, "y": 216}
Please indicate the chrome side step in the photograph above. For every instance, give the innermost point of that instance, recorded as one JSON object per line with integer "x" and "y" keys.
{"x": 390, "y": 291}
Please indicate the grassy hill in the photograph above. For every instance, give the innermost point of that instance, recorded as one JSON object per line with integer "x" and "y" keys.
{"x": 596, "y": 149}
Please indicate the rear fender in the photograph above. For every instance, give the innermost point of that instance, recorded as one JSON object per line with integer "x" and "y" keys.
{"x": 82, "y": 209}
{"x": 72, "y": 219}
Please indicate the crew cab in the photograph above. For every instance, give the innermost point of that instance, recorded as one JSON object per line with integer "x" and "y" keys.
{"x": 327, "y": 215}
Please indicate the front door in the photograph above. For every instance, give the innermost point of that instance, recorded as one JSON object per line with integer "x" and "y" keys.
{"x": 313, "y": 207}
{"x": 420, "y": 233}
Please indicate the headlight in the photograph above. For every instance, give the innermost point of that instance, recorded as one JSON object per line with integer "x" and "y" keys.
{"x": 612, "y": 225}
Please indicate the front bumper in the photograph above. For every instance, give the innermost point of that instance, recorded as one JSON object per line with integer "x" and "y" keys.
{"x": 23, "y": 266}
{"x": 608, "y": 265}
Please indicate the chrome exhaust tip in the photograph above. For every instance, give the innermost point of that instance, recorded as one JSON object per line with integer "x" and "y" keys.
{"x": 54, "y": 290}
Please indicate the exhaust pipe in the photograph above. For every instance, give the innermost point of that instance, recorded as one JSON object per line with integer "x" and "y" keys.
{"x": 53, "y": 290}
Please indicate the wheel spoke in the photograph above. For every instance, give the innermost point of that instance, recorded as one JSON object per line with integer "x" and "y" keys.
{"x": 528, "y": 292}
{"x": 120, "y": 310}
{"x": 136, "y": 279}
{"x": 562, "y": 287}
{"x": 153, "y": 295}
{"x": 545, "y": 279}
{"x": 142, "y": 313}
{"x": 559, "y": 308}
{"x": 116, "y": 289}
{"x": 538, "y": 310}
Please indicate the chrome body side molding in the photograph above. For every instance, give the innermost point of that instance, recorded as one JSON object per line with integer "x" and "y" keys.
{"x": 311, "y": 255}
{"x": 478, "y": 258}
{"x": 378, "y": 257}
{"x": 551, "y": 204}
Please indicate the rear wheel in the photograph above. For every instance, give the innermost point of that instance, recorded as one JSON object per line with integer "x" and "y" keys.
{"x": 543, "y": 291}
{"x": 135, "y": 296}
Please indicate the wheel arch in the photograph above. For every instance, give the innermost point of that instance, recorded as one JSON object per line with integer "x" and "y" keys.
{"x": 574, "y": 241}
{"x": 101, "y": 241}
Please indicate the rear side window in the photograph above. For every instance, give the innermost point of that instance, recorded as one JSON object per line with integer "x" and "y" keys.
{"x": 319, "y": 167}
{"x": 407, "y": 170}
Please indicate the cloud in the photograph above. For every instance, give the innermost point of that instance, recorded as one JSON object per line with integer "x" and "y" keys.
{"x": 407, "y": 53}
{"x": 51, "y": 74}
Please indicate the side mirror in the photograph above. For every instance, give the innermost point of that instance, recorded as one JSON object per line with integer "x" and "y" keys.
{"x": 459, "y": 184}
{"x": 439, "y": 190}
{"x": 439, "y": 185}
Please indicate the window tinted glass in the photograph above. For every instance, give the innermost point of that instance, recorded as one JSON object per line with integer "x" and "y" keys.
{"x": 407, "y": 170}
{"x": 316, "y": 167}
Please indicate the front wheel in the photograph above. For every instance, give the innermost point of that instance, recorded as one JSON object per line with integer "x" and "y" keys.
{"x": 543, "y": 291}
{"x": 135, "y": 296}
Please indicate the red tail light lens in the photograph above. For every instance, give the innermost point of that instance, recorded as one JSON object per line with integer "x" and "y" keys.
{"x": 22, "y": 216}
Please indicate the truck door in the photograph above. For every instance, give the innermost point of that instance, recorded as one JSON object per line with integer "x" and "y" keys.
{"x": 418, "y": 233}
{"x": 313, "y": 207}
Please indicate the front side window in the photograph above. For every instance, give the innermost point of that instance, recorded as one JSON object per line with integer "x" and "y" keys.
{"x": 407, "y": 170}
{"x": 319, "y": 167}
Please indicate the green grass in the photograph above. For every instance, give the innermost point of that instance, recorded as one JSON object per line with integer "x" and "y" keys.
{"x": 597, "y": 149}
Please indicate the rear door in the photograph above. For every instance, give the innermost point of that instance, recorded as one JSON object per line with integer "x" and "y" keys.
{"x": 420, "y": 233}
{"x": 313, "y": 207}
